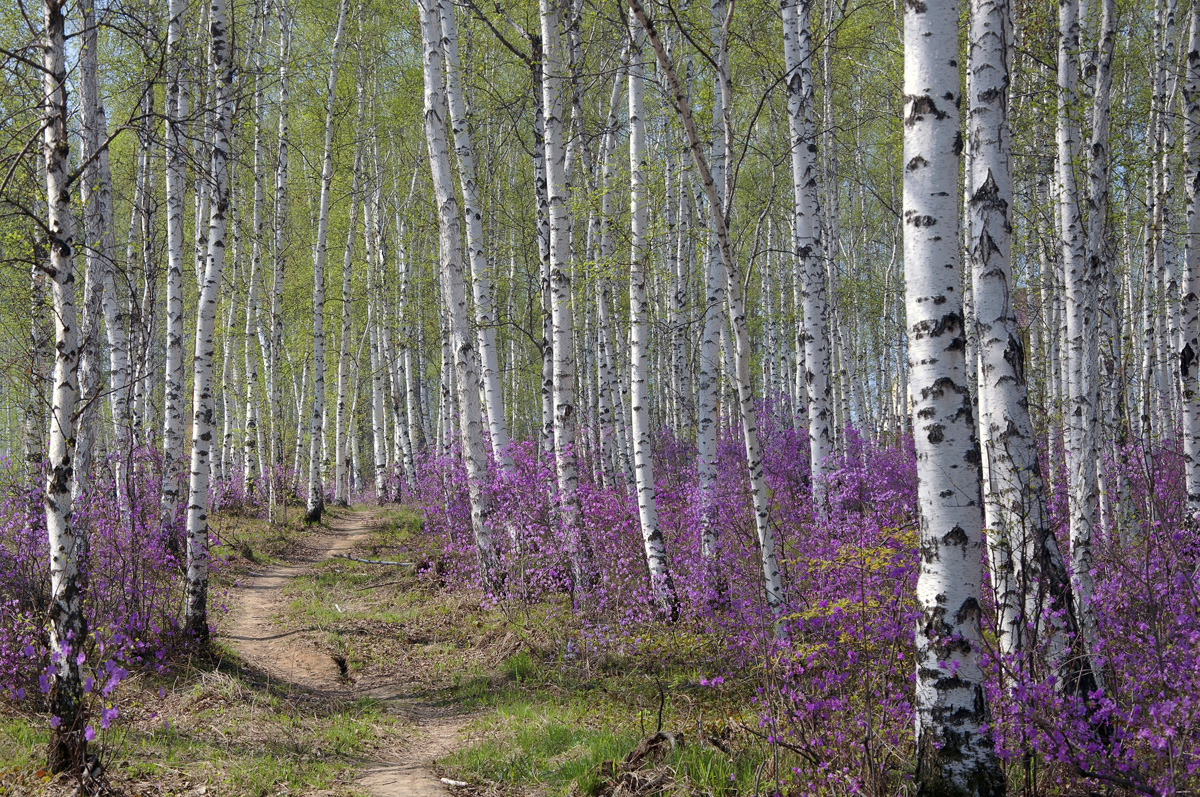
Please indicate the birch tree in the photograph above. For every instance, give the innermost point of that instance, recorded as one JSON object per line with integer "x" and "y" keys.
{"x": 1190, "y": 351}
{"x": 455, "y": 292}
{"x": 176, "y": 155}
{"x": 1080, "y": 343}
{"x": 558, "y": 196}
{"x": 954, "y": 750}
{"x": 203, "y": 428}
{"x": 316, "y": 490}
{"x": 772, "y": 578}
{"x": 813, "y": 332}
{"x": 67, "y": 541}
{"x": 662, "y": 586}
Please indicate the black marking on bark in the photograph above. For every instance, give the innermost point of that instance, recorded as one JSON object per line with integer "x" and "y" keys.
{"x": 956, "y": 536}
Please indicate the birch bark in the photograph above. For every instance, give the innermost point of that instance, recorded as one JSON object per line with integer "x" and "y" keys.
{"x": 562, "y": 322}
{"x": 1080, "y": 344}
{"x": 176, "y": 188}
{"x": 196, "y": 593}
{"x": 662, "y": 586}
{"x": 67, "y": 540}
{"x": 772, "y": 579}
{"x": 316, "y": 491}
{"x": 455, "y": 293}
{"x": 809, "y": 248}
{"x": 955, "y": 753}
{"x": 1190, "y": 351}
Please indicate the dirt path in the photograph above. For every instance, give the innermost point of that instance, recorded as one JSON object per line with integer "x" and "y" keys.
{"x": 288, "y": 656}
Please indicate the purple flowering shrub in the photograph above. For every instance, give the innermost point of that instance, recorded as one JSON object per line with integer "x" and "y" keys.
{"x": 837, "y": 695}
{"x": 132, "y": 596}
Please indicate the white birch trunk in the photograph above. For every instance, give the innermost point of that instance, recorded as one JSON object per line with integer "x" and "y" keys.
{"x": 1190, "y": 351}
{"x": 955, "y": 754}
{"x": 809, "y": 249}
{"x": 316, "y": 490}
{"x": 278, "y": 255}
{"x": 1080, "y": 343}
{"x": 341, "y": 467}
{"x": 176, "y": 187}
{"x": 662, "y": 586}
{"x": 772, "y": 579}
{"x": 67, "y": 541}
{"x": 454, "y": 291}
{"x": 196, "y": 597}
{"x": 485, "y": 321}
{"x": 562, "y": 322}
{"x": 91, "y": 138}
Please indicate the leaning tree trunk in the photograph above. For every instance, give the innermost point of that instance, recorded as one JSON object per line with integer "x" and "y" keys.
{"x": 662, "y": 586}
{"x": 316, "y": 490}
{"x": 454, "y": 292}
{"x": 68, "y": 544}
{"x": 196, "y": 600}
{"x": 481, "y": 280}
{"x": 772, "y": 578}
{"x": 954, "y": 749}
{"x": 813, "y": 331}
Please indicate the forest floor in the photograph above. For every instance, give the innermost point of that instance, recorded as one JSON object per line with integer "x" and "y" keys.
{"x": 330, "y": 676}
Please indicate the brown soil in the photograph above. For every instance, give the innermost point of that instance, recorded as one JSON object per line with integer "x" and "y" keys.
{"x": 288, "y": 656}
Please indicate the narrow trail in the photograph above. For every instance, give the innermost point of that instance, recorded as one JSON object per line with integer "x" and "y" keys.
{"x": 288, "y": 657}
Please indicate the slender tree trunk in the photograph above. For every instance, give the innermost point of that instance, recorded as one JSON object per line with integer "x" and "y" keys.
{"x": 67, "y": 541}
{"x": 316, "y": 490}
{"x": 454, "y": 291}
{"x": 91, "y": 138}
{"x": 772, "y": 579}
{"x": 558, "y": 195}
{"x": 196, "y": 599}
{"x": 341, "y": 468}
{"x": 1079, "y": 285}
{"x": 1029, "y": 576}
{"x": 1190, "y": 351}
{"x": 176, "y": 156}
{"x": 813, "y": 332}
{"x": 278, "y": 255}
{"x": 662, "y": 586}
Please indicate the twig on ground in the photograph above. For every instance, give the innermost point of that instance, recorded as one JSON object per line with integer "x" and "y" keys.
{"x": 373, "y": 561}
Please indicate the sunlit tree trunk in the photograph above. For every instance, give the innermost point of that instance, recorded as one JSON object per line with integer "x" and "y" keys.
{"x": 68, "y": 543}
{"x": 1190, "y": 350}
{"x": 251, "y": 433}
{"x": 196, "y": 598}
{"x": 565, "y": 456}
{"x": 709, "y": 382}
{"x": 954, "y": 749}
{"x": 1079, "y": 286}
{"x": 91, "y": 138}
{"x": 316, "y": 490}
{"x": 341, "y": 467}
{"x": 454, "y": 292}
{"x": 772, "y": 579}
{"x": 662, "y": 586}
{"x": 278, "y": 256}
{"x": 176, "y": 187}
{"x": 813, "y": 332}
